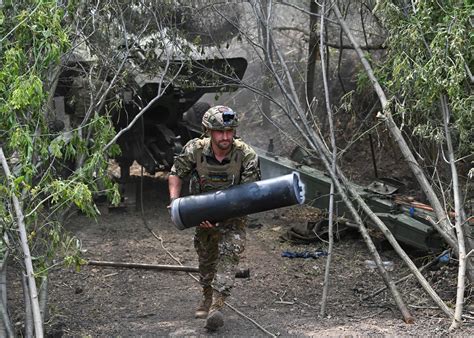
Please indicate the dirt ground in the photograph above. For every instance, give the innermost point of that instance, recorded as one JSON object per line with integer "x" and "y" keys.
{"x": 282, "y": 295}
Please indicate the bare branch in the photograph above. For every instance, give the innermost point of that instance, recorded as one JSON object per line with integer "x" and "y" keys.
{"x": 27, "y": 255}
{"x": 457, "y": 320}
{"x": 333, "y": 164}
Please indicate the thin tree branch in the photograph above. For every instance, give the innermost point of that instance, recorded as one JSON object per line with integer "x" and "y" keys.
{"x": 322, "y": 51}
{"x": 457, "y": 320}
{"x": 27, "y": 255}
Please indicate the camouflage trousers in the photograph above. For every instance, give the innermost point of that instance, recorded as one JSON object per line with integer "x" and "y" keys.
{"x": 218, "y": 251}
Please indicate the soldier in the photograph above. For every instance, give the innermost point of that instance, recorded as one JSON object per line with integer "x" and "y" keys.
{"x": 216, "y": 161}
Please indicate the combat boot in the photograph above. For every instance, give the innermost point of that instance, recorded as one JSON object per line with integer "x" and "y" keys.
{"x": 206, "y": 301}
{"x": 215, "y": 318}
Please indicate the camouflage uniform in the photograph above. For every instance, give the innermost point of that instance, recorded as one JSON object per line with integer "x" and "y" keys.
{"x": 218, "y": 248}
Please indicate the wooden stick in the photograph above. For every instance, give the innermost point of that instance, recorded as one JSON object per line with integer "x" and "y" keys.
{"x": 240, "y": 273}
{"x": 145, "y": 266}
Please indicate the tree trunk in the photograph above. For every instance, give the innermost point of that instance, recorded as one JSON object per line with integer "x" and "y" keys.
{"x": 313, "y": 53}
{"x": 333, "y": 163}
{"x": 6, "y": 329}
{"x": 43, "y": 298}
{"x": 459, "y": 213}
{"x": 27, "y": 255}
{"x": 266, "y": 87}
{"x": 28, "y": 314}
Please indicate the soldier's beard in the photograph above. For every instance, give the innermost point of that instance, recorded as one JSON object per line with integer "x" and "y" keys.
{"x": 224, "y": 144}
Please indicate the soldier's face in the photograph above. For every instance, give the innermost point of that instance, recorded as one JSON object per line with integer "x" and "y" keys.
{"x": 222, "y": 138}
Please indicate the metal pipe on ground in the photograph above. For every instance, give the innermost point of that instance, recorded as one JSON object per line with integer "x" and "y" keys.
{"x": 237, "y": 201}
{"x": 240, "y": 273}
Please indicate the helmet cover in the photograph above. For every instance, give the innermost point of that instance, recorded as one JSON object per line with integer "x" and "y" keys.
{"x": 220, "y": 118}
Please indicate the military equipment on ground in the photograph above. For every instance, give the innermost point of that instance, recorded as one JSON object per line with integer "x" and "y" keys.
{"x": 406, "y": 219}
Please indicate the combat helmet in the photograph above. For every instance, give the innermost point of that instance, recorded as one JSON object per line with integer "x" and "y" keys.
{"x": 220, "y": 118}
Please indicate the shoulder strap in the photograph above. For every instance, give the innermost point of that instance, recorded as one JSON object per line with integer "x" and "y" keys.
{"x": 235, "y": 166}
{"x": 201, "y": 168}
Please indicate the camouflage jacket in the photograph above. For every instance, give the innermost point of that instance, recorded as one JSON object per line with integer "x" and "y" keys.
{"x": 185, "y": 163}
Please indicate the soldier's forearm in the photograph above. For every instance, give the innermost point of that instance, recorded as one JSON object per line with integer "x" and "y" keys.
{"x": 174, "y": 186}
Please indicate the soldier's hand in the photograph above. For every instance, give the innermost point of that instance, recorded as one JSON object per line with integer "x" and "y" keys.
{"x": 168, "y": 207}
{"x": 207, "y": 225}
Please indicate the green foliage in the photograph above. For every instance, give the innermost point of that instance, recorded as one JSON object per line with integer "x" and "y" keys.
{"x": 33, "y": 38}
{"x": 429, "y": 45}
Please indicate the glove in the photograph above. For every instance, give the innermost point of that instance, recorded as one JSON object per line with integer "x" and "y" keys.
{"x": 169, "y": 205}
